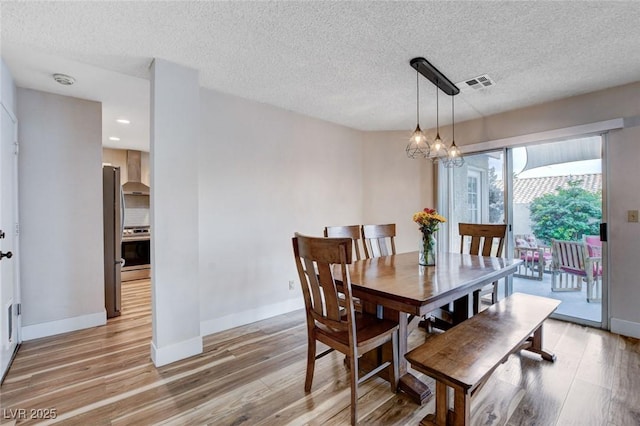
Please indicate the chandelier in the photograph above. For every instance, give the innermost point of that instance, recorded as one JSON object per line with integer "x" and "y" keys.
{"x": 419, "y": 146}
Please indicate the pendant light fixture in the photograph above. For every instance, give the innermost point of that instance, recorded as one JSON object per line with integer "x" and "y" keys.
{"x": 438, "y": 148}
{"x": 418, "y": 146}
{"x": 454, "y": 155}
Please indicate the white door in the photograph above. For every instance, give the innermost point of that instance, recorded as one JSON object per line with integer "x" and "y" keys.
{"x": 9, "y": 287}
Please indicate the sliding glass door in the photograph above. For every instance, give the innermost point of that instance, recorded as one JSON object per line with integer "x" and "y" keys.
{"x": 545, "y": 192}
{"x": 557, "y": 209}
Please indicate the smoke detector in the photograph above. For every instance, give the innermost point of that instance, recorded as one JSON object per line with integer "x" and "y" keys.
{"x": 65, "y": 80}
{"x": 476, "y": 83}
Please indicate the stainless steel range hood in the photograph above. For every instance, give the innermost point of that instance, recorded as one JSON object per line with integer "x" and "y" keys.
{"x": 134, "y": 183}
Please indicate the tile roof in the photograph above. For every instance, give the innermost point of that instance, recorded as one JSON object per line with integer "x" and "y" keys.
{"x": 528, "y": 189}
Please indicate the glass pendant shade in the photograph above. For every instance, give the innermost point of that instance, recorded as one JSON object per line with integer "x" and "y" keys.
{"x": 438, "y": 148}
{"x": 418, "y": 146}
{"x": 454, "y": 156}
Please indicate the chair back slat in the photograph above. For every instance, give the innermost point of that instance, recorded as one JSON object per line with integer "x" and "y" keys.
{"x": 315, "y": 259}
{"x": 314, "y": 287}
{"x": 375, "y": 240}
{"x": 569, "y": 254}
{"x": 350, "y": 231}
{"x": 329, "y": 292}
{"x": 483, "y": 238}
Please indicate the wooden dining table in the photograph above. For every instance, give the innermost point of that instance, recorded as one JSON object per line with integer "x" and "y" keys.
{"x": 406, "y": 291}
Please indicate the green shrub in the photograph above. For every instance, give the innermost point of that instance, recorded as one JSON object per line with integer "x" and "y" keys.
{"x": 567, "y": 214}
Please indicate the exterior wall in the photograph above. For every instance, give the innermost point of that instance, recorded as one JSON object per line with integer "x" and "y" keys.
{"x": 521, "y": 219}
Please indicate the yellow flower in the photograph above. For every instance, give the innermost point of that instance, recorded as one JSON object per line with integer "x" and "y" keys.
{"x": 428, "y": 219}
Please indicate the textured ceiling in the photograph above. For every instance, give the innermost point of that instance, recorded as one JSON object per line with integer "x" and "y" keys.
{"x": 344, "y": 62}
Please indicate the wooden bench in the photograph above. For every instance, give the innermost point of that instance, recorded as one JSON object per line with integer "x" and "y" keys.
{"x": 465, "y": 356}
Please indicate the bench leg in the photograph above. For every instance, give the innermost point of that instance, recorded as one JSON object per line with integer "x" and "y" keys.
{"x": 459, "y": 416}
{"x": 461, "y": 408}
{"x": 442, "y": 407}
{"x": 536, "y": 346}
{"x": 442, "y": 403}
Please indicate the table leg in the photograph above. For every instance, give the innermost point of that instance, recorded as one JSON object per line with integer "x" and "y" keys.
{"x": 409, "y": 384}
{"x": 462, "y": 308}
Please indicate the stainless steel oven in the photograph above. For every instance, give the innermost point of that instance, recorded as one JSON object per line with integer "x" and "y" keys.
{"x": 136, "y": 254}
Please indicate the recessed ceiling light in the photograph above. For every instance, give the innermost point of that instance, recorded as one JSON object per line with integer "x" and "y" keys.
{"x": 113, "y": 138}
{"x": 65, "y": 80}
{"x": 123, "y": 121}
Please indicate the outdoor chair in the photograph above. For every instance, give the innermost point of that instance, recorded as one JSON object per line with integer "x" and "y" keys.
{"x": 536, "y": 258}
{"x": 572, "y": 265}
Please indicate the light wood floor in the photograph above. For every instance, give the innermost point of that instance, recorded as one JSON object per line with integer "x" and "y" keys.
{"x": 254, "y": 375}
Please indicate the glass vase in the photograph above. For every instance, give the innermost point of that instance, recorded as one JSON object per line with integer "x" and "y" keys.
{"x": 428, "y": 248}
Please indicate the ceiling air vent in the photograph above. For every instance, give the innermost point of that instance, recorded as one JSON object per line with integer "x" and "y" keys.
{"x": 477, "y": 83}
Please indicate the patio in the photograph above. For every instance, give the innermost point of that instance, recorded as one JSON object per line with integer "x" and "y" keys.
{"x": 574, "y": 303}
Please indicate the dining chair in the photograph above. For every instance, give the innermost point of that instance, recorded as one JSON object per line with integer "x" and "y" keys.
{"x": 340, "y": 328}
{"x": 350, "y": 231}
{"x": 375, "y": 239}
{"x": 482, "y": 240}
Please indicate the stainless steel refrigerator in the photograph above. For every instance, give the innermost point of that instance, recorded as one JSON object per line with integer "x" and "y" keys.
{"x": 113, "y": 211}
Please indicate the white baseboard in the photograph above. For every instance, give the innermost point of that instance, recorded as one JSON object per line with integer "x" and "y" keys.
{"x": 247, "y": 317}
{"x": 45, "y": 329}
{"x": 626, "y": 328}
{"x": 175, "y": 352}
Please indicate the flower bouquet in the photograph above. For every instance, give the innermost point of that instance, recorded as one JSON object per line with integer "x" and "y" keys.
{"x": 428, "y": 221}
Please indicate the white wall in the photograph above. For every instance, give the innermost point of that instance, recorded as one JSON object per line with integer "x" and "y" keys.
{"x": 60, "y": 201}
{"x": 175, "y": 107}
{"x": 622, "y": 186}
{"x": 265, "y": 173}
{"x": 624, "y": 237}
{"x": 8, "y": 92}
{"x": 395, "y": 187}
